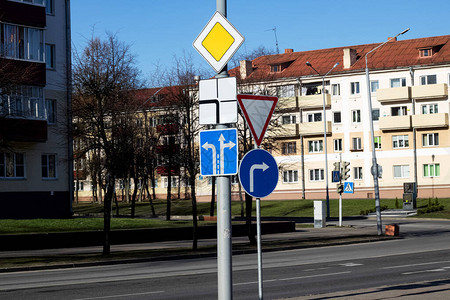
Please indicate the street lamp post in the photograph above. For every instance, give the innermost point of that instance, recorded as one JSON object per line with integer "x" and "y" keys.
{"x": 374, "y": 170}
{"x": 324, "y": 132}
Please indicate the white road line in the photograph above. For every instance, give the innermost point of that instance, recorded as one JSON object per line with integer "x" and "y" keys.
{"x": 120, "y": 296}
{"x": 414, "y": 265}
{"x": 293, "y": 278}
{"x": 424, "y": 271}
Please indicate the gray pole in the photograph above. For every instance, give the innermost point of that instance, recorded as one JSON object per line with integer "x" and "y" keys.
{"x": 224, "y": 228}
{"x": 325, "y": 145}
{"x": 374, "y": 158}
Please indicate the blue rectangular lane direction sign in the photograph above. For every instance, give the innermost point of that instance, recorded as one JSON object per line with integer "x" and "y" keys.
{"x": 218, "y": 152}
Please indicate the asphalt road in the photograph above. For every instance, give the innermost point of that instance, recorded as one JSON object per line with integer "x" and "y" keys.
{"x": 424, "y": 254}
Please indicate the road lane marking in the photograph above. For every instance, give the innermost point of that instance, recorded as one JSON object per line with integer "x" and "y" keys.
{"x": 350, "y": 264}
{"x": 424, "y": 271}
{"x": 414, "y": 265}
{"x": 292, "y": 278}
{"x": 120, "y": 296}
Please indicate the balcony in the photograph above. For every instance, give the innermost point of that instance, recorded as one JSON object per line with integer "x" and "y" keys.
{"x": 314, "y": 101}
{"x": 430, "y": 120}
{"x": 23, "y": 130}
{"x": 394, "y": 94}
{"x": 395, "y": 123}
{"x": 313, "y": 128}
{"x": 164, "y": 170}
{"x": 284, "y": 130}
{"x": 431, "y": 91}
{"x": 287, "y": 103}
{"x": 167, "y": 128}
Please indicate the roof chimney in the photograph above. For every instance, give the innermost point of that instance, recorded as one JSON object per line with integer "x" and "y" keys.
{"x": 349, "y": 57}
{"x": 246, "y": 68}
{"x": 288, "y": 50}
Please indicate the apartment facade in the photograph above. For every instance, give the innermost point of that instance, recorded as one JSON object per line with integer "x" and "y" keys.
{"x": 36, "y": 149}
{"x": 409, "y": 82}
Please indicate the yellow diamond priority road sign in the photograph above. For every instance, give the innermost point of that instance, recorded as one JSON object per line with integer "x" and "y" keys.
{"x": 218, "y": 41}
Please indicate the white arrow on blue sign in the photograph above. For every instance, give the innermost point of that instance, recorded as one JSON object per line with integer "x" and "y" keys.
{"x": 218, "y": 152}
{"x": 258, "y": 173}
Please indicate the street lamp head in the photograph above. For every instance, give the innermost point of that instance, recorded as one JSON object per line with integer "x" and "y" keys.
{"x": 308, "y": 64}
{"x": 404, "y": 31}
{"x": 335, "y": 65}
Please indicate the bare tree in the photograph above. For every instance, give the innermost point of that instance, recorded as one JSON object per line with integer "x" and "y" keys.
{"x": 104, "y": 74}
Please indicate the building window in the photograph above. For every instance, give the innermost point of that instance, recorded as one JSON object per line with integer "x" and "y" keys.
{"x": 337, "y": 145}
{"x": 290, "y": 176}
{"x": 337, "y": 117}
{"x": 285, "y": 91}
{"x": 173, "y": 179}
{"x": 356, "y": 143}
{"x": 374, "y": 86}
{"x": 25, "y": 101}
{"x": 49, "y": 7}
{"x": 428, "y": 79}
{"x": 336, "y": 89}
{"x": 356, "y": 116}
{"x": 315, "y": 146}
{"x": 36, "y": 2}
{"x": 400, "y": 141}
{"x": 316, "y": 175}
{"x": 354, "y": 88}
{"x": 377, "y": 142}
{"x": 357, "y": 173}
{"x": 375, "y": 114}
{"x": 401, "y": 171}
{"x": 430, "y": 108}
{"x": 398, "y": 82}
{"x": 430, "y": 139}
{"x": 289, "y": 148}
{"x": 398, "y": 111}
{"x": 314, "y": 117}
{"x": 50, "y": 56}
{"x": 20, "y": 42}
{"x": 50, "y": 111}
{"x": 275, "y": 68}
{"x": 12, "y": 165}
{"x": 289, "y": 119}
{"x": 425, "y": 52}
{"x": 48, "y": 163}
{"x": 431, "y": 170}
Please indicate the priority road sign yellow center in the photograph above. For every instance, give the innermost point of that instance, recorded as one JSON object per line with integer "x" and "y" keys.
{"x": 218, "y": 41}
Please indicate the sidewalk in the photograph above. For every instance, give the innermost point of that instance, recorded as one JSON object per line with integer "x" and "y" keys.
{"x": 80, "y": 256}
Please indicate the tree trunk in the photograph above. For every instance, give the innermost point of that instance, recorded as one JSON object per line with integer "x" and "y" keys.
{"x": 248, "y": 219}
{"x": 107, "y": 214}
{"x": 194, "y": 215}
{"x": 133, "y": 198}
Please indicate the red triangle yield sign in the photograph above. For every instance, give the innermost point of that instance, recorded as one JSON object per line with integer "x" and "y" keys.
{"x": 257, "y": 112}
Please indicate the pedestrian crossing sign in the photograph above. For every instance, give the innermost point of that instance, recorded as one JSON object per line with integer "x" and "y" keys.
{"x": 348, "y": 187}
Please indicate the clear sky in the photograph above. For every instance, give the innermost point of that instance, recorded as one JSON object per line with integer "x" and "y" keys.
{"x": 159, "y": 30}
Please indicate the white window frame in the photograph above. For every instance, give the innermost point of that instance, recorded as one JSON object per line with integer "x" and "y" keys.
{"x": 31, "y": 48}
{"x": 337, "y": 143}
{"x": 49, "y": 166}
{"x": 10, "y": 160}
{"x": 50, "y": 111}
{"x": 356, "y": 116}
{"x": 377, "y": 142}
{"x": 402, "y": 110}
{"x": 286, "y": 91}
{"x": 397, "y": 82}
{"x": 336, "y": 89}
{"x": 356, "y": 143}
{"x": 50, "y": 56}
{"x": 289, "y": 148}
{"x": 289, "y": 119}
{"x": 354, "y": 88}
{"x": 434, "y": 170}
{"x": 375, "y": 117}
{"x": 431, "y": 108}
{"x": 400, "y": 141}
{"x": 334, "y": 117}
{"x": 290, "y": 176}
{"x": 316, "y": 175}
{"x": 357, "y": 173}
{"x": 311, "y": 117}
{"x": 428, "y": 79}
{"x": 174, "y": 179}
{"x": 374, "y": 86}
{"x": 430, "y": 139}
{"x": 403, "y": 169}
{"x": 316, "y": 146}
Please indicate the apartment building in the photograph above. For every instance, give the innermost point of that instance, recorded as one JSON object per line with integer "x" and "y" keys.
{"x": 36, "y": 176}
{"x": 409, "y": 82}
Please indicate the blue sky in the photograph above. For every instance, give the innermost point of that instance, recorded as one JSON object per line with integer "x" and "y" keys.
{"x": 159, "y": 30}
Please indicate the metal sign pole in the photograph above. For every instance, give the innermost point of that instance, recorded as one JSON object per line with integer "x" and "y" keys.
{"x": 224, "y": 228}
{"x": 258, "y": 241}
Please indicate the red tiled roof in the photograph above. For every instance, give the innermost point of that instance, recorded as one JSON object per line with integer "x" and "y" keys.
{"x": 393, "y": 54}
